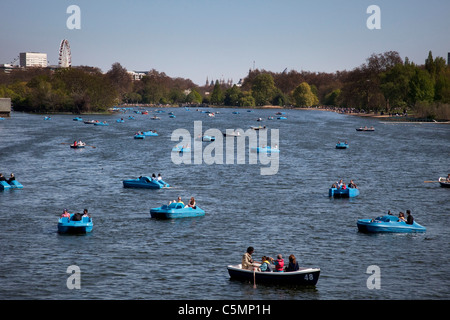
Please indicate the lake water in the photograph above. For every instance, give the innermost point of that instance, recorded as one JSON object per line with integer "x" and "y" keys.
{"x": 129, "y": 255}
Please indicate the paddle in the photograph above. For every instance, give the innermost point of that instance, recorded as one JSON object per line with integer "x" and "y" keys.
{"x": 430, "y": 181}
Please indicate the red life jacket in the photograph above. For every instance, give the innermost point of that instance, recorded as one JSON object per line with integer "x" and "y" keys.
{"x": 279, "y": 265}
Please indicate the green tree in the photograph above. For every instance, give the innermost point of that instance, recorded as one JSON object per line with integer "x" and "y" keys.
{"x": 421, "y": 87}
{"x": 263, "y": 89}
{"x": 303, "y": 96}
{"x": 217, "y": 94}
{"x": 232, "y": 96}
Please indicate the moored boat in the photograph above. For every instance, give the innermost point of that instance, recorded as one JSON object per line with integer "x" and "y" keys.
{"x": 301, "y": 277}
{"x": 72, "y": 225}
{"x": 389, "y": 224}
{"x": 176, "y": 210}
{"x": 145, "y": 182}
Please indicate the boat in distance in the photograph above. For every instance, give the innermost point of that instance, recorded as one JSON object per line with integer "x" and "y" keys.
{"x": 365, "y": 129}
{"x": 14, "y": 184}
{"x": 145, "y": 182}
{"x": 69, "y": 225}
{"x": 176, "y": 210}
{"x": 341, "y": 145}
{"x": 301, "y": 277}
{"x": 444, "y": 182}
{"x": 343, "y": 193}
{"x": 388, "y": 224}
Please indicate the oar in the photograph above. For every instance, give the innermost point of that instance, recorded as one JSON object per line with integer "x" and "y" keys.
{"x": 91, "y": 146}
{"x": 430, "y": 181}
{"x": 254, "y": 278}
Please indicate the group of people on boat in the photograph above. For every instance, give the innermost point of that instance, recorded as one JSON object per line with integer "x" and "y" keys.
{"x": 191, "y": 204}
{"x": 401, "y": 217}
{"x": 267, "y": 262}
{"x": 341, "y": 185}
{"x": 9, "y": 180}
{"x": 78, "y": 143}
{"x": 77, "y": 216}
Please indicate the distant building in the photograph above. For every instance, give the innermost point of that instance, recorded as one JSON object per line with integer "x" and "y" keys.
{"x": 137, "y": 75}
{"x": 5, "y": 107}
{"x": 33, "y": 59}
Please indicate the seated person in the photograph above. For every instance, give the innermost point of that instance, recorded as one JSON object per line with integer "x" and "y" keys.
{"x": 192, "y": 203}
{"x": 279, "y": 263}
{"x": 265, "y": 266}
{"x": 65, "y": 214}
{"x": 293, "y": 265}
{"x": 2, "y": 177}
{"x": 11, "y": 178}
{"x": 401, "y": 217}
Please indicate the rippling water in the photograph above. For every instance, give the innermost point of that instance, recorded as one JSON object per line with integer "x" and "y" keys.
{"x": 132, "y": 256}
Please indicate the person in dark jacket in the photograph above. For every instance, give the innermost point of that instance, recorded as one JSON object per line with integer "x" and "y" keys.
{"x": 293, "y": 265}
{"x": 409, "y": 218}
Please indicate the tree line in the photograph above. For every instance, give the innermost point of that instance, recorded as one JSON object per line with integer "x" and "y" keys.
{"x": 384, "y": 83}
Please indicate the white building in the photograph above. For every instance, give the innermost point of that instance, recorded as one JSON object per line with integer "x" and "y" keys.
{"x": 33, "y": 59}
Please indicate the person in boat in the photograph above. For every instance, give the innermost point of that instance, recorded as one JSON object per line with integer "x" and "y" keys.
{"x": 265, "y": 266}
{"x": 343, "y": 186}
{"x": 401, "y": 217}
{"x": 247, "y": 261}
{"x": 409, "y": 218}
{"x": 293, "y": 265}
{"x": 153, "y": 176}
{"x": 448, "y": 177}
{"x": 159, "y": 177}
{"x": 11, "y": 178}
{"x": 2, "y": 177}
{"x": 75, "y": 143}
{"x": 279, "y": 263}
{"x": 352, "y": 184}
{"x": 339, "y": 184}
{"x": 85, "y": 213}
{"x": 192, "y": 204}
{"x": 65, "y": 214}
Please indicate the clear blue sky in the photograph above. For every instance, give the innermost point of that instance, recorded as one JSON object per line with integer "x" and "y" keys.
{"x": 196, "y": 39}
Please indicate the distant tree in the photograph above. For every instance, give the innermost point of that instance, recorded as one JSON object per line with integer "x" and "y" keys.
{"x": 263, "y": 89}
{"x": 421, "y": 87}
{"x": 303, "y": 96}
{"x": 217, "y": 96}
{"x": 232, "y": 96}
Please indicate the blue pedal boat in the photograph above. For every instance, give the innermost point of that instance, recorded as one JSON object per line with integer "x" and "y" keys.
{"x": 265, "y": 150}
{"x": 181, "y": 149}
{"x": 150, "y": 133}
{"x": 145, "y": 182}
{"x": 343, "y": 193}
{"x": 341, "y": 145}
{"x": 77, "y": 119}
{"x": 12, "y": 185}
{"x": 104, "y": 123}
{"x": 175, "y": 210}
{"x": 388, "y": 223}
{"x": 68, "y": 225}
{"x": 139, "y": 136}
{"x": 301, "y": 277}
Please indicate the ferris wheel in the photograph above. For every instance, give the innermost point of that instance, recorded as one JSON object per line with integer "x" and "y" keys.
{"x": 65, "y": 58}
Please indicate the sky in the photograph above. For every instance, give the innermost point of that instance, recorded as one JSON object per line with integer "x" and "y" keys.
{"x": 223, "y": 39}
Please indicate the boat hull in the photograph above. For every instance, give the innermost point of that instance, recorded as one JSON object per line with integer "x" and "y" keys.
{"x": 388, "y": 224}
{"x": 69, "y": 226}
{"x": 341, "y": 146}
{"x": 443, "y": 182}
{"x": 302, "y": 277}
{"x": 175, "y": 210}
{"x": 343, "y": 193}
{"x": 12, "y": 185}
